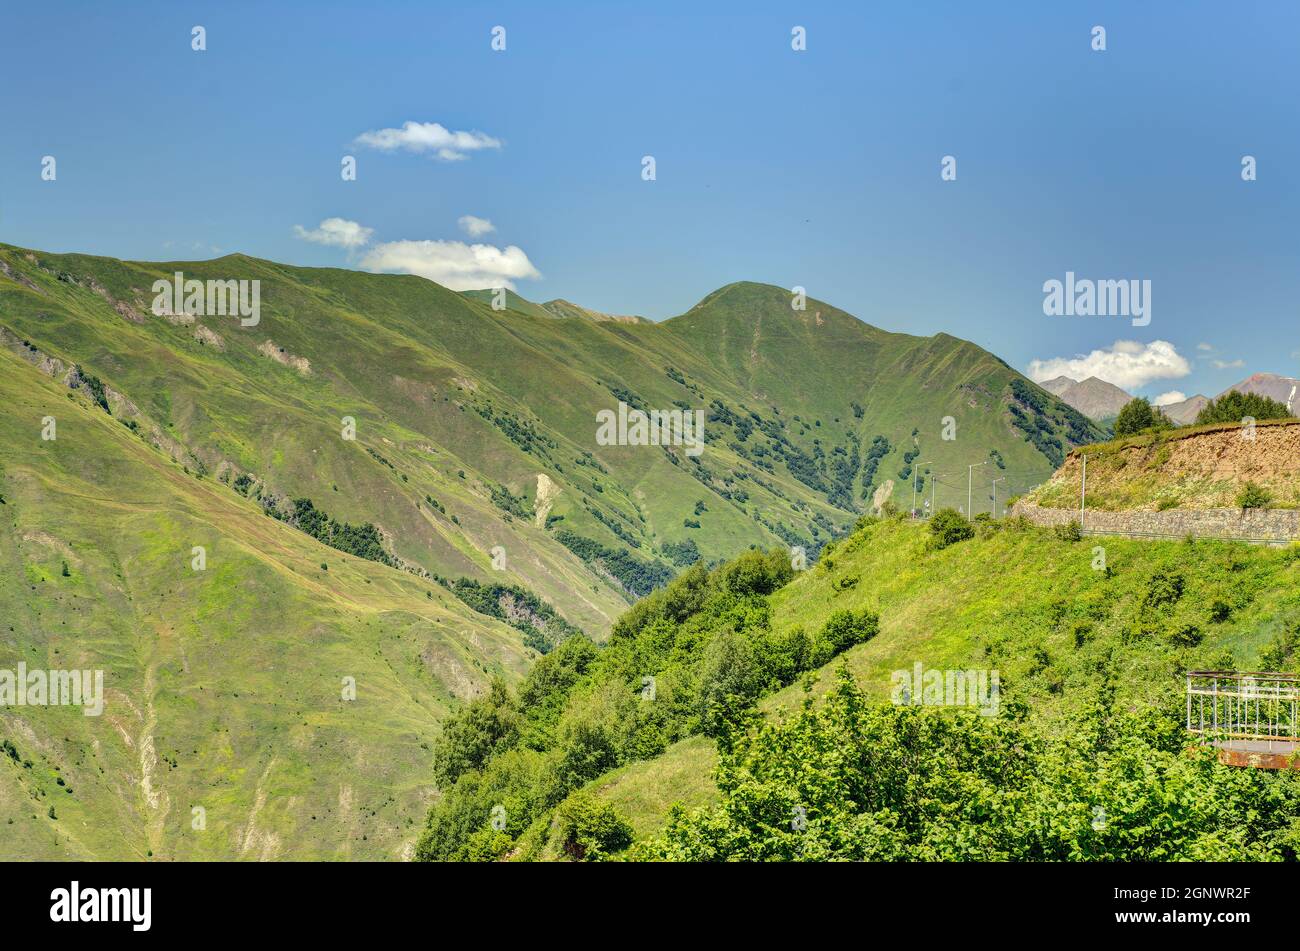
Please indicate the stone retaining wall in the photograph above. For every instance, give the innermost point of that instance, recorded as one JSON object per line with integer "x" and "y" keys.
{"x": 1271, "y": 525}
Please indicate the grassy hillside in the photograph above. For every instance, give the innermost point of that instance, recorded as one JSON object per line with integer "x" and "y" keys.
{"x": 223, "y": 686}
{"x": 812, "y": 415}
{"x": 1072, "y": 627}
{"x": 396, "y": 483}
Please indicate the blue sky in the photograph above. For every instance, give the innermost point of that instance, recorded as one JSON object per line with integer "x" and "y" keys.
{"x": 817, "y": 168}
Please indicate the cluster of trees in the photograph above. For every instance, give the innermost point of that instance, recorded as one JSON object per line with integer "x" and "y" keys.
{"x": 541, "y": 626}
{"x": 96, "y": 387}
{"x": 858, "y": 779}
{"x": 363, "y": 540}
{"x": 1138, "y": 415}
{"x": 1233, "y": 407}
{"x": 690, "y": 659}
{"x": 637, "y": 575}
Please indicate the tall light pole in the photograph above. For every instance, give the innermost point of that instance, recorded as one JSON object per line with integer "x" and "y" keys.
{"x": 995, "y": 494}
{"x": 1083, "y": 491}
{"x": 916, "y": 474}
{"x": 970, "y": 478}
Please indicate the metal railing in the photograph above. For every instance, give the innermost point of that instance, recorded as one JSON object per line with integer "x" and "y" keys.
{"x": 1247, "y": 706}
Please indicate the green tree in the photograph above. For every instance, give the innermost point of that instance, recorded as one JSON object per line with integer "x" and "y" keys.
{"x": 1138, "y": 415}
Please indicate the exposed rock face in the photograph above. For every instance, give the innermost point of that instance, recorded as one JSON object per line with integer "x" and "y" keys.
{"x": 280, "y": 355}
{"x": 209, "y": 338}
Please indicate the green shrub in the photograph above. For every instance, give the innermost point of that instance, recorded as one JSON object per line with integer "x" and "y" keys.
{"x": 590, "y": 831}
{"x": 842, "y": 630}
{"x": 1253, "y": 496}
{"x": 756, "y": 572}
{"x": 487, "y": 845}
{"x": 1069, "y": 532}
{"x": 948, "y": 526}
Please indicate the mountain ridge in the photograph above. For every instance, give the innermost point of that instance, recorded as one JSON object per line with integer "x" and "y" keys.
{"x": 391, "y": 435}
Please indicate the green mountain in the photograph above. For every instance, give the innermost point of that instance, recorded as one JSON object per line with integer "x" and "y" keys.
{"x": 396, "y": 483}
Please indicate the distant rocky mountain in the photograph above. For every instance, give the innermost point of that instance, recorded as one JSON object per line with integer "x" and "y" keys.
{"x": 1093, "y": 397}
{"x": 1185, "y": 411}
{"x": 1058, "y": 385}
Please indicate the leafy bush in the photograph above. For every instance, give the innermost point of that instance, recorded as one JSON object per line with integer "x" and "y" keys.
{"x": 589, "y": 830}
{"x": 948, "y": 526}
{"x": 756, "y": 572}
{"x": 842, "y": 630}
{"x": 1069, "y": 532}
{"x": 1253, "y": 496}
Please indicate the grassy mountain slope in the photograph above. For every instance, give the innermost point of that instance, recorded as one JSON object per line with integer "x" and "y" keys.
{"x": 223, "y": 686}
{"x": 474, "y": 434}
{"x": 1022, "y": 600}
{"x": 492, "y": 413}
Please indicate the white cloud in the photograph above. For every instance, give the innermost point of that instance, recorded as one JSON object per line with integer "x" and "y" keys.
{"x": 428, "y": 137}
{"x": 475, "y": 226}
{"x": 1165, "y": 399}
{"x": 1228, "y": 364}
{"x": 1128, "y": 364}
{"x": 338, "y": 232}
{"x": 453, "y": 264}
{"x": 1204, "y": 347}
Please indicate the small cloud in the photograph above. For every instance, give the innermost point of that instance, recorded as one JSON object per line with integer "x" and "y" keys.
{"x": 474, "y": 226}
{"x": 428, "y": 137}
{"x": 453, "y": 264}
{"x": 1127, "y": 364}
{"x": 1228, "y": 364}
{"x": 1165, "y": 399}
{"x": 338, "y": 232}
{"x": 1204, "y": 347}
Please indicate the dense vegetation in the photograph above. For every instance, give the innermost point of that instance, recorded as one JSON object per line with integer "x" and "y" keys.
{"x": 864, "y": 780}
{"x": 364, "y": 541}
{"x": 541, "y": 626}
{"x": 637, "y": 576}
{"x": 690, "y": 659}
{"x": 1233, "y": 407}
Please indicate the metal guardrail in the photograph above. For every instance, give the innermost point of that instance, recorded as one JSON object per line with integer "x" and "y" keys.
{"x": 1245, "y": 706}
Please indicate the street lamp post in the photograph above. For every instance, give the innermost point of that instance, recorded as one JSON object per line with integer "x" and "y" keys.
{"x": 995, "y": 494}
{"x": 916, "y": 474}
{"x": 970, "y": 478}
